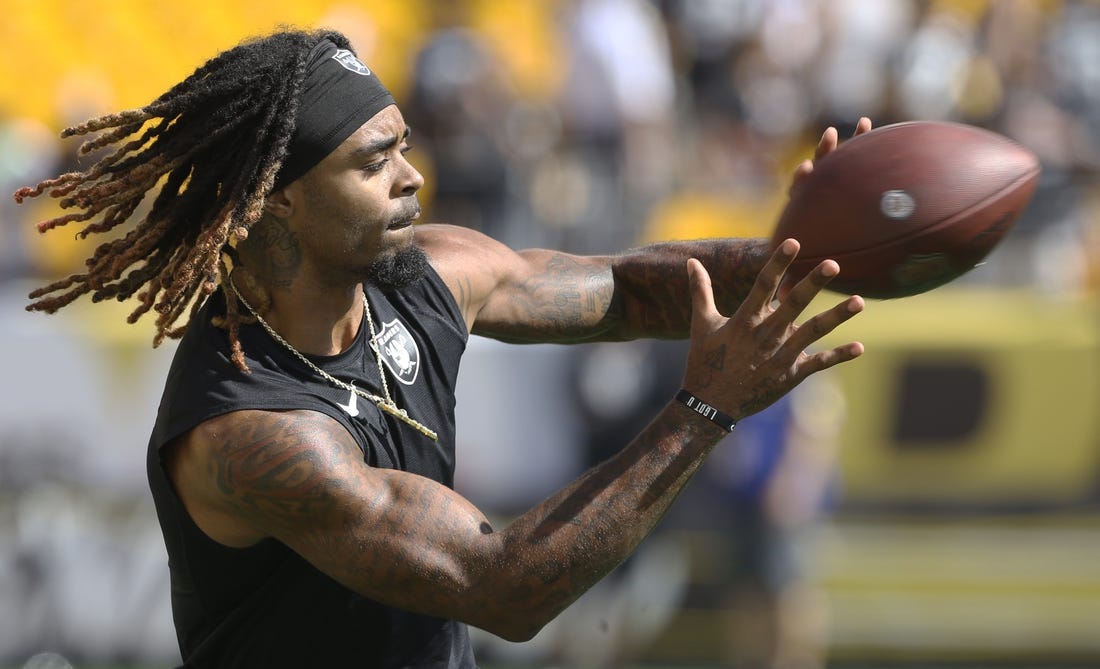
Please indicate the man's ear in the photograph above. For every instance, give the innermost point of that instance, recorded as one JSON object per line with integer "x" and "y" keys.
{"x": 280, "y": 203}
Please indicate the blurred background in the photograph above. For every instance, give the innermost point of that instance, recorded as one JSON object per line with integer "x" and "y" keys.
{"x": 936, "y": 503}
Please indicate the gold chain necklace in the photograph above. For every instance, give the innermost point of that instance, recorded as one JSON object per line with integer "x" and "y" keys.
{"x": 386, "y": 403}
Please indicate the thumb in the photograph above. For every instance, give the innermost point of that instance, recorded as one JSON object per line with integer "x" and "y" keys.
{"x": 702, "y": 292}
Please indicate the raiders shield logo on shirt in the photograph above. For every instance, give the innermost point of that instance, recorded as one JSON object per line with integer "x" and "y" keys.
{"x": 398, "y": 350}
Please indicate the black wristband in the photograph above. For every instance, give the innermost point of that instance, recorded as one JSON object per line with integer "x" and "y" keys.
{"x": 705, "y": 410}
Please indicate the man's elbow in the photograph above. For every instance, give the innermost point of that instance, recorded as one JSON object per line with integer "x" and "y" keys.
{"x": 517, "y": 621}
{"x": 515, "y": 628}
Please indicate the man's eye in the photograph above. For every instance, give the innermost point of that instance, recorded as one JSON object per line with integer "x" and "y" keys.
{"x": 374, "y": 167}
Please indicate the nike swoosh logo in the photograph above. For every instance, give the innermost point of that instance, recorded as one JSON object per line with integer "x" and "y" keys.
{"x": 352, "y": 407}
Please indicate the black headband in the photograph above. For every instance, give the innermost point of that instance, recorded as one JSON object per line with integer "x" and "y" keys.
{"x": 339, "y": 95}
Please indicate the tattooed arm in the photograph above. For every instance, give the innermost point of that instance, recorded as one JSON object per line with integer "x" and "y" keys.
{"x": 548, "y": 296}
{"x": 409, "y": 542}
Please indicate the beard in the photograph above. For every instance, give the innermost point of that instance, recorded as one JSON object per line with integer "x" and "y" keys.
{"x": 390, "y": 271}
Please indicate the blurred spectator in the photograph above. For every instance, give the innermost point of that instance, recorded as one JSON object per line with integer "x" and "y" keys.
{"x": 458, "y": 105}
{"x": 777, "y": 472}
{"x": 618, "y": 112}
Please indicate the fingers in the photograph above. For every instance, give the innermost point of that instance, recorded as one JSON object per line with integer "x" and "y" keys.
{"x": 822, "y": 324}
{"x": 799, "y": 338}
{"x": 800, "y": 172}
{"x": 826, "y": 145}
{"x": 751, "y": 359}
{"x": 828, "y": 142}
{"x": 798, "y": 297}
{"x": 825, "y": 359}
{"x": 770, "y": 276}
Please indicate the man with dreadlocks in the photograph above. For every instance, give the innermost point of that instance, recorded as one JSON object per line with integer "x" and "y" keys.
{"x": 303, "y": 455}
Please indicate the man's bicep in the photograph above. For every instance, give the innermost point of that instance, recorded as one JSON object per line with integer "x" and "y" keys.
{"x": 279, "y": 470}
{"x": 396, "y": 537}
{"x": 550, "y": 297}
{"x": 527, "y": 296}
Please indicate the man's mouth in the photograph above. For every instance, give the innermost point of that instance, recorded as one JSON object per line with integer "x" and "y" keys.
{"x": 404, "y": 221}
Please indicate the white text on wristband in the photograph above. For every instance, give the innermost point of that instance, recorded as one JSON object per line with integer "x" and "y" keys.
{"x": 706, "y": 411}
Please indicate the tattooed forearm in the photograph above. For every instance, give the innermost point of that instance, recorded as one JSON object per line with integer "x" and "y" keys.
{"x": 643, "y": 293}
{"x": 574, "y": 538}
{"x": 651, "y": 283}
{"x": 410, "y": 542}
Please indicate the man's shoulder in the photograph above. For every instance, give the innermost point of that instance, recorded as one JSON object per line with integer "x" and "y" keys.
{"x": 448, "y": 245}
{"x": 471, "y": 264}
{"x": 250, "y": 427}
{"x": 251, "y": 440}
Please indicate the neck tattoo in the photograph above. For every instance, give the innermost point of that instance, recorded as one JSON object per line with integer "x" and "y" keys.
{"x": 386, "y": 403}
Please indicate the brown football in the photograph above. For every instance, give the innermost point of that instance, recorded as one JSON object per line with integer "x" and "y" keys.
{"x": 908, "y": 207}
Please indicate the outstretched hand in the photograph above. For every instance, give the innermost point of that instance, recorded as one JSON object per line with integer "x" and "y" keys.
{"x": 830, "y": 140}
{"x": 743, "y": 363}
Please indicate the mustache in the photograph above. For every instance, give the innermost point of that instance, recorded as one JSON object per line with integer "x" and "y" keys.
{"x": 407, "y": 214}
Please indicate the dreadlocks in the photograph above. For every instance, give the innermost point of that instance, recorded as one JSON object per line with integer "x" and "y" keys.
{"x": 215, "y": 143}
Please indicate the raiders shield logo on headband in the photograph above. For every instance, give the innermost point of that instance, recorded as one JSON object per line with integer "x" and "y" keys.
{"x": 350, "y": 62}
{"x": 398, "y": 350}
{"x": 339, "y": 95}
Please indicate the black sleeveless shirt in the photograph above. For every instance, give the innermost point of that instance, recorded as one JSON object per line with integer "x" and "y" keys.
{"x": 265, "y": 606}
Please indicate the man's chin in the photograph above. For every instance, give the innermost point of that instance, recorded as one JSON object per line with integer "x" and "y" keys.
{"x": 399, "y": 268}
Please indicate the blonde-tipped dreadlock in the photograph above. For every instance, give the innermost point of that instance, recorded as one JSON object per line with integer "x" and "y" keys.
{"x": 216, "y": 141}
